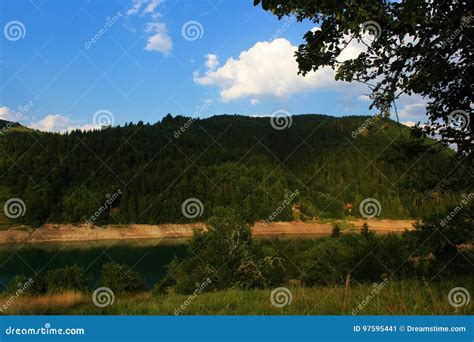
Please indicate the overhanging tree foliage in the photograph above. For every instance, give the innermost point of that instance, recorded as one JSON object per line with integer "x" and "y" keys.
{"x": 417, "y": 47}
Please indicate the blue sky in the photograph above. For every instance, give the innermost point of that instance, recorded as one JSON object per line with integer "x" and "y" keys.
{"x": 151, "y": 57}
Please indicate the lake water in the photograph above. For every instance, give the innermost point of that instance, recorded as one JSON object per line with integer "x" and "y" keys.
{"x": 148, "y": 257}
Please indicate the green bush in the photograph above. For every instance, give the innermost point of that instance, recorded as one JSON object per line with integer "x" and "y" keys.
{"x": 66, "y": 278}
{"x": 327, "y": 263}
{"x": 120, "y": 278}
{"x": 227, "y": 255}
{"x": 22, "y": 284}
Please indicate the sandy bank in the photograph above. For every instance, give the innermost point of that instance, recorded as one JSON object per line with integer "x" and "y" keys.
{"x": 74, "y": 233}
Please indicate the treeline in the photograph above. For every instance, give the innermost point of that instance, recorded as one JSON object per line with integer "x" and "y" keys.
{"x": 231, "y": 161}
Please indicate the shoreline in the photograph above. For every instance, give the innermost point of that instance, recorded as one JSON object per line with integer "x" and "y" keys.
{"x": 61, "y": 233}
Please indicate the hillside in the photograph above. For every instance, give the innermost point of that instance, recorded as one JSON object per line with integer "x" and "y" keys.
{"x": 148, "y": 170}
{"x": 12, "y": 127}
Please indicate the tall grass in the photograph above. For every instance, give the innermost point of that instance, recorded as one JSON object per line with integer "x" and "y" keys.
{"x": 408, "y": 297}
{"x": 43, "y": 304}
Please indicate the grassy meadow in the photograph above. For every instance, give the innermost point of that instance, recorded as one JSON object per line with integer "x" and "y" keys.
{"x": 407, "y": 297}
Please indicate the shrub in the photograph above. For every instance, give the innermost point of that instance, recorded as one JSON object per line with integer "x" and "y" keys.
{"x": 19, "y": 283}
{"x": 227, "y": 241}
{"x": 327, "y": 263}
{"x": 120, "y": 278}
{"x": 66, "y": 278}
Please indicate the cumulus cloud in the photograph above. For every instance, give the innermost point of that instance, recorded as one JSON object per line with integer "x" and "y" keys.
{"x": 151, "y": 7}
{"x": 415, "y": 110}
{"x": 160, "y": 40}
{"x": 269, "y": 69}
{"x": 8, "y": 114}
{"x": 136, "y": 6}
{"x": 412, "y": 108}
{"x": 212, "y": 61}
{"x": 409, "y": 123}
{"x": 59, "y": 123}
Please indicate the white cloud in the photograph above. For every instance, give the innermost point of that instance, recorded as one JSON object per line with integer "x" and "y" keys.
{"x": 212, "y": 61}
{"x": 160, "y": 41}
{"x": 269, "y": 69}
{"x": 409, "y": 123}
{"x": 254, "y": 101}
{"x": 158, "y": 38}
{"x": 151, "y": 7}
{"x": 136, "y": 6}
{"x": 412, "y": 111}
{"x": 8, "y": 114}
{"x": 412, "y": 108}
{"x": 59, "y": 123}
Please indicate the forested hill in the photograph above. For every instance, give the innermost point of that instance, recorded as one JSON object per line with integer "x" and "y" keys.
{"x": 320, "y": 163}
{"x": 11, "y": 126}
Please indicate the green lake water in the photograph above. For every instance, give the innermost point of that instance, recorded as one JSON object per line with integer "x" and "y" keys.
{"x": 148, "y": 257}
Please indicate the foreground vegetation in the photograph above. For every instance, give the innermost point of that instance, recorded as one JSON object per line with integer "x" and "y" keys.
{"x": 233, "y": 274}
{"x": 409, "y": 297}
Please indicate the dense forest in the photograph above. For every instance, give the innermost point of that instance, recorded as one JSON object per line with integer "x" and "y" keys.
{"x": 233, "y": 161}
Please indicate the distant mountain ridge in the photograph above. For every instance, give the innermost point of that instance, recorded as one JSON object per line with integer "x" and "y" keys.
{"x": 5, "y": 123}
{"x": 327, "y": 166}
